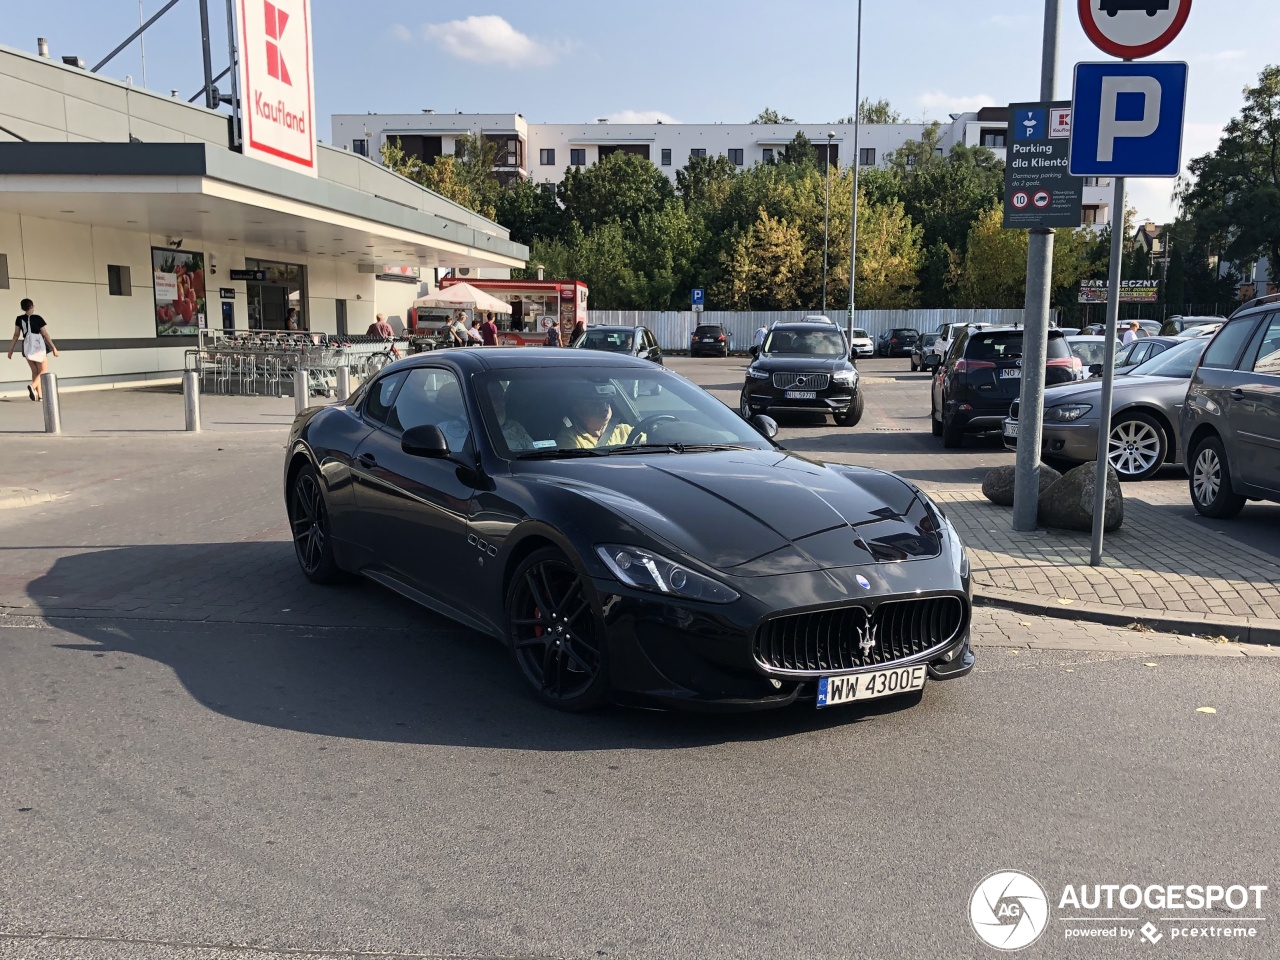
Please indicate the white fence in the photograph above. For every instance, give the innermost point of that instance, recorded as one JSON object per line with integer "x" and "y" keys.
{"x": 674, "y": 327}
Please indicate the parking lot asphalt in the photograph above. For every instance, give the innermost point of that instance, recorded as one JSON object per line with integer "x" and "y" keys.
{"x": 207, "y": 757}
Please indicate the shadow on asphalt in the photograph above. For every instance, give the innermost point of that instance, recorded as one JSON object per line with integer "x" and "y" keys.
{"x": 857, "y": 441}
{"x": 1258, "y": 526}
{"x": 432, "y": 683}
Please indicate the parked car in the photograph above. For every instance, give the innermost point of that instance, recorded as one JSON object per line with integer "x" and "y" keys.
{"x": 860, "y": 343}
{"x": 898, "y": 342}
{"x": 924, "y": 355}
{"x": 1091, "y": 351}
{"x": 678, "y": 560}
{"x": 1231, "y": 417}
{"x": 1203, "y": 330}
{"x": 1144, "y": 415}
{"x": 817, "y": 318}
{"x": 1146, "y": 328}
{"x": 710, "y": 339}
{"x": 1175, "y": 324}
{"x": 1130, "y": 355}
{"x": 632, "y": 341}
{"x": 982, "y": 375}
{"x": 947, "y": 333}
{"x": 803, "y": 366}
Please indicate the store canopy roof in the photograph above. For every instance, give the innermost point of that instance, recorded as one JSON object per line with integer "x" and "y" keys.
{"x": 199, "y": 193}
{"x": 466, "y": 296}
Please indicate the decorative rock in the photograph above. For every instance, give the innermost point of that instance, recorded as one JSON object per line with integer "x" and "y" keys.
{"x": 1068, "y": 503}
{"x": 997, "y": 485}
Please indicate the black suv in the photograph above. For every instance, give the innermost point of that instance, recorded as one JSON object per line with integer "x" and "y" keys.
{"x": 803, "y": 366}
{"x": 898, "y": 342}
{"x": 981, "y": 376}
{"x": 710, "y": 340}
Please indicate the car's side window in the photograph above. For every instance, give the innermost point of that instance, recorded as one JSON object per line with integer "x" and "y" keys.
{"x": 1263, "y": 355}
{"x": 381, "y": 396}
{"x": 432, "y": 397}
{"x": 1226, "y": 346}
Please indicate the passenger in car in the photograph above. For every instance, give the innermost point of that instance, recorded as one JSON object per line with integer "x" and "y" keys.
{"x": 513, "y": 431}
{"x": 453, "y": 415}
{"x": 592, "y": 425}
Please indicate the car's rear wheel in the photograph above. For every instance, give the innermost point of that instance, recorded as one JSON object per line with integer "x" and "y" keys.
{"x": 309, "y": 522}
{"x": 935, "y": 425}
{"x": 952, "y": 435}
{"x": 1210, "y": 481}
{"x": 851, "y": 416}
{"x": 1136, "y": 446}
{"x": 556, "y": 632}
{"x": 914, "y": 366}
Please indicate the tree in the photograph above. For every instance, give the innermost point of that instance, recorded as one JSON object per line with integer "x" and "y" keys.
{"x": 762, "y": 267}
{"x": 917, "y": 155}
{"x": 529, "y": 210}
{"x": 466, "y": 178}
{"x": 889, "y": 256}
{"x": 620, "y": 187}
{"x": 800, "y": 151}
{"x": 770, "y": 115}
{"x": 877, "y": 111}
{"x": 995, "y": 264}
{"x": 1233, "y": 200}
{"x": 1174, "y": 293}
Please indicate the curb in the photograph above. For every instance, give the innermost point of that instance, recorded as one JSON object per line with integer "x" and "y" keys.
{"x": 1259, "y": 630}
{"x": 17, "y": 497}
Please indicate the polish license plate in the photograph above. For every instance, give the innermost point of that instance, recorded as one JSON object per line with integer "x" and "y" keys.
{"x": 1010, "y": 429}
{"x": 1011, "y": 373}
{"x": 801, "y": 395}
{"x": 708, "y": 339}
{"x": 868, "y": 686}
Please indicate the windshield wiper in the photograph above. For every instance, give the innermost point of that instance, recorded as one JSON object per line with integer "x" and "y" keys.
{"x": 675, "y": 447}
{"x": 562, "y": 454}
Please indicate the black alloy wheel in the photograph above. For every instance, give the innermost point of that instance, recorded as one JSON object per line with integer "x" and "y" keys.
{"x": 555, "y": 632}
{"x": 1210, "y": 481}
{"x": 914, "y": 366}
{"x": 935, "y": 425}
{"x": 851, "y": 416}
{"x": 952, "y": 436}
{"x": 309, "y": 522}
{"x": 744, "y": 407}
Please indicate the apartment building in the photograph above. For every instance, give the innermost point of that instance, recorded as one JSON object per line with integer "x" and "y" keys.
{"x": 543, "y": 152}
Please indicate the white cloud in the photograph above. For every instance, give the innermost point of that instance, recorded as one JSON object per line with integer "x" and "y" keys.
{"x": 1220, "y": 56}
{"x": 641, "y": 116}
{"x": 1016, "y": 20}
{"x": 490, "y": 39}
{"x": 401, "y": 32}
{"x": 935, "y": 101}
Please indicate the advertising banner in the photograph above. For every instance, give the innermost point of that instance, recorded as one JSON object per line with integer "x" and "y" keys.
{"x": 1131, "y": 291}
{"x": 178, "y": 277}
{"x": 1038, "y": 190}
{"x": 277, "y": 91}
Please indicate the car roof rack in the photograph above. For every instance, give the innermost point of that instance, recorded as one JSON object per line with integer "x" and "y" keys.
{"x": 1256, "y": 302}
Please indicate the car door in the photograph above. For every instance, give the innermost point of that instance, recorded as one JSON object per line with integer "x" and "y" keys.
{"x": 1255, "y": 408}
{"x": 652, "y": 350}
{"x": 418, "y": 509}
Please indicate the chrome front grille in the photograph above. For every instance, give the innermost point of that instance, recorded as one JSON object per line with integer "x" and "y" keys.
{"x": 801, "y": 381}
{"x": 853, "y": 638}
{"x": 1013, "y": 410}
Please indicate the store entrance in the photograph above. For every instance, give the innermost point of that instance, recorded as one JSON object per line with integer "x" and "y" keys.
{"x": 285, "y": 286}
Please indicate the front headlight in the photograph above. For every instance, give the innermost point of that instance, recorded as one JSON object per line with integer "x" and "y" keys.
{"x": 757, "y": 374}
{"x": 646, "y": 570}
{"x": 846, "y": 378}
{"x": 1067, "y": 412}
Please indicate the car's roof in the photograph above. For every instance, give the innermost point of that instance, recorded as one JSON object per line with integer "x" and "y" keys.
{"x": 805, "y": 325}
{"x": 476, "y": 359}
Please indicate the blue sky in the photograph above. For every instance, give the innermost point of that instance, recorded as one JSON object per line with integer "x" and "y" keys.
{"x": 692, "y": 61}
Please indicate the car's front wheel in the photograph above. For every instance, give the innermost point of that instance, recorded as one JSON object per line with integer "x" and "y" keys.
{"x": 309, "y": 522}
{"x": 1210, "y": 481}
{"x": 1136, "y": 446}
{"x": 744, "y": 408}
{"x": 914, "y": 366}
{"x": 851, "y": 416}
{"x": 556, "y": 633}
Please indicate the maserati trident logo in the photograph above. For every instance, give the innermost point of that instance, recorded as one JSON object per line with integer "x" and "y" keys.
{"x": 276, "y": 20}
{"x": 867, "y": 637}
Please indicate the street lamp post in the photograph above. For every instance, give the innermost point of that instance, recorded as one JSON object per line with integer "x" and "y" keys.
{"x": 826, "y": 220}
{"x": 855, "y": 159}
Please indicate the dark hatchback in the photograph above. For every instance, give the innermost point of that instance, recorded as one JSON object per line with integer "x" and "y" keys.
{"x": 898, "y": 342}
{"x": 626, "y": 536}
{"x": 803, "y": 367}
{"x": 637, "y": 342}
{"x": 710, "y": 340}
{"x": 981, "y": 376}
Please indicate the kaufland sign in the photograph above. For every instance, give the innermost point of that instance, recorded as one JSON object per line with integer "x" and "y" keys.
{"x": 277, "y": 93}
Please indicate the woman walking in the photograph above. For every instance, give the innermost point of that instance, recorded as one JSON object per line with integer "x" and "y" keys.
{"x": 31, "y": 329}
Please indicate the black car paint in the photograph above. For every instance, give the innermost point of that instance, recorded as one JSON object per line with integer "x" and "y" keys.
{"x": 786, "y": 533}
{"x": 761, "y": 396}
{"x": 644, "y": 345}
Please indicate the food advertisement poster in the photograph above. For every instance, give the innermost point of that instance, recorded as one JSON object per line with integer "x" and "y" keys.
{"x": 179, "y": 290}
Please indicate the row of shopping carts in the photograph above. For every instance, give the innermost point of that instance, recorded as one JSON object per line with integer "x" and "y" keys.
{"x": 264, "y": 363}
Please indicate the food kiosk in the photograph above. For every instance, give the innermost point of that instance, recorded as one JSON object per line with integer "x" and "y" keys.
{"x": 535, "y": 306}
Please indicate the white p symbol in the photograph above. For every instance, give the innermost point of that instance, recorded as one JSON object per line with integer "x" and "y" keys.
{"x": 1110, "y": 129}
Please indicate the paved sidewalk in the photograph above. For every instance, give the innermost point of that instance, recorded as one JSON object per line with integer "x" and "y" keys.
{"x": 1165, "y": 571}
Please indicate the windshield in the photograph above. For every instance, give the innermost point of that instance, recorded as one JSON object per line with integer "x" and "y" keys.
{"x": 618, "y": 340}
{"x": 555, "y": 412}
{"x": 809, "y": 343}
{"x": 1089, "y": 351}
{"x": 860, "y": 334}
{"x": 1177, "y": 361}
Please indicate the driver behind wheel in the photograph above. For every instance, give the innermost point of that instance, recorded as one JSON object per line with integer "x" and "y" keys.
{"x": 592, "y": 424}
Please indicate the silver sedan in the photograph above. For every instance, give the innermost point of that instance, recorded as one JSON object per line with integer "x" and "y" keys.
{"x": 1144, "y": 412}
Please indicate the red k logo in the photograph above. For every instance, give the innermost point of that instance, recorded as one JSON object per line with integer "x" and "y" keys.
{"x": 276, "y": 20}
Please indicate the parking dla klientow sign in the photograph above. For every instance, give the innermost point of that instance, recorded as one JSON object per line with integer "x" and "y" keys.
{"x": 1131, "y": 29}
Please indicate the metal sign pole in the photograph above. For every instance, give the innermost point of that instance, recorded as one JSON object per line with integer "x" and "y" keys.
{"x": 857, "y": 160}
{"x": 1035, "y": 334}
{"x": 232, "y": 49}
{"x": 1108, "y": 370}
{"x": 209, "y": 100}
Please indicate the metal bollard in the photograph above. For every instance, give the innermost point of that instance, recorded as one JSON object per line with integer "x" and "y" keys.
{"x": 52, "y": 412}
{"x": 191, "y": 400}
{"x": 301, "y": 390}
{"x": 344, "y": 382}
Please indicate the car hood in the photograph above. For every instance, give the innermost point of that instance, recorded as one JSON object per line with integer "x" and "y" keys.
{"x": 777, "y": 363}
{"x": 1124, "y": 390}
{"x": 759, "y": 512}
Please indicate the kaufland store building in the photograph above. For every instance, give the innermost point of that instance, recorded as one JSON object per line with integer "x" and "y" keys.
{"x": 132, "y": 218}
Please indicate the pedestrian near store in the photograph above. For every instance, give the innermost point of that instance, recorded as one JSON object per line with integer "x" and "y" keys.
{"x": 489, "y": 331}
{"x": 1131, "y": 334}
{"x": 380, "y": 328}
{"x": 579, "y": 329}
{"x": 760, "y": 335}
{"x": 553, "y": 336}
{"x": 31, "y": 330}
{"x": 474, "y": 337}
{"x": 291, "y": 319}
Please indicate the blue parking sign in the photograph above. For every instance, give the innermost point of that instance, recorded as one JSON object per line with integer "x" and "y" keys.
{"x": 697, "y": 298}
{"x": 1127, "y": 119}
{"x": 1030, "y": 125}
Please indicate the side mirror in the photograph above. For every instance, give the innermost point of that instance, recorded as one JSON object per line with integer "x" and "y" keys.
{"x": 755, "y": 352}
{"x": 425, "y": 441}
{"x": 766, "y": 426}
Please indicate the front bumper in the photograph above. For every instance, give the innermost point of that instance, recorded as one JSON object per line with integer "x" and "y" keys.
{"x": 1077, "y": 441}
{"x": 836, "y": 399}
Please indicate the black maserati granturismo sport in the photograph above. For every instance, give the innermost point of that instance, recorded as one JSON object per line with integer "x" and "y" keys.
{"x": 626, "y": 535}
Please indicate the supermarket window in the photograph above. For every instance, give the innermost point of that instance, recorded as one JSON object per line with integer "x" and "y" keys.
{"x": 118, "y": 281}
